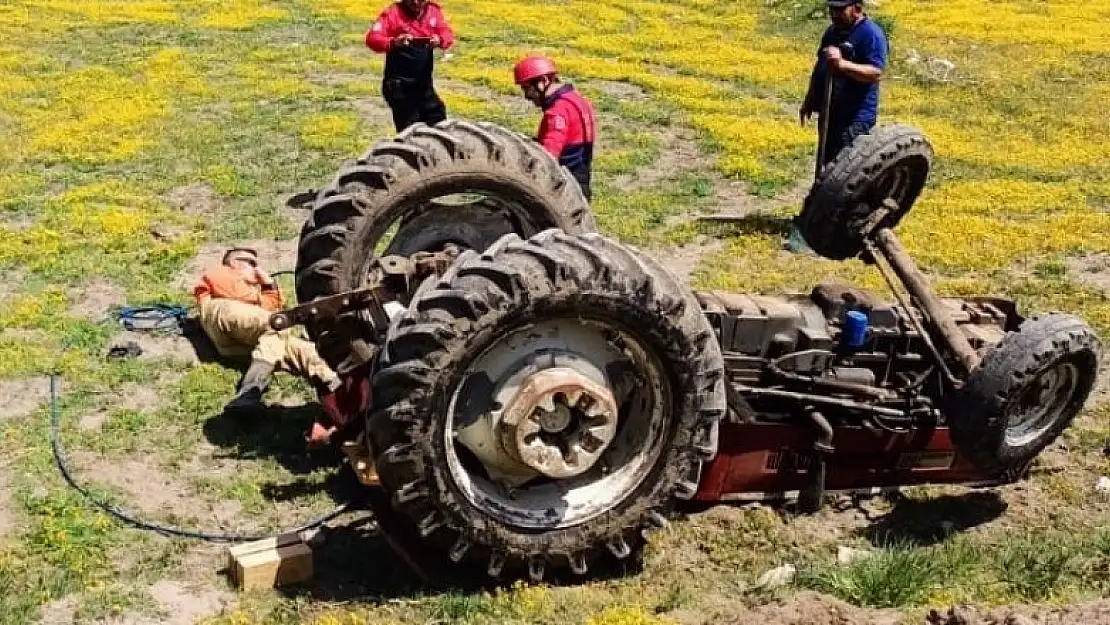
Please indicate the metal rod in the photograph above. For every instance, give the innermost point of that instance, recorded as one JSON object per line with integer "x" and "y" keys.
{"x": 818, "y": 399}
{"x": 909, "y": 312}
{"x": 918, "y": 286}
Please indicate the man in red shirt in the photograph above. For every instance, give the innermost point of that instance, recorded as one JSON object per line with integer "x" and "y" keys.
{"x": 567, "y": 129}
{"x": 407, "y": 32}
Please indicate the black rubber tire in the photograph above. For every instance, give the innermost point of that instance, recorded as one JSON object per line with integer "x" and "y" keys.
{"x": 451, "y": 321}
{"x": 397, "y": 177}
{"x": 979, "y": 414}
{"x": 474, "y": 226}
{"x": 851, "y": 189}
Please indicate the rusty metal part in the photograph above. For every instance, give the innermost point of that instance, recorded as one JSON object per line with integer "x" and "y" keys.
{"x": 388, "y": 277}
{"x": 918, "y": 287}
{"x": 818, "y": 399}
{"x": 559, "y": 422}
{"x": 832, "y": 385}
{"x": 877, "y": 217}
{"x": 358, "y": 454}
{"x": 824, "y": 440}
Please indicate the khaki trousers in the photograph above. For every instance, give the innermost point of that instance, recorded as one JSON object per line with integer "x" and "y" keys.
{"x": 239, "y": 329}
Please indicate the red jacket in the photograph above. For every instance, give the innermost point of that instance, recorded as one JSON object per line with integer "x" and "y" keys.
{"x": 567, "y": 130}
{"x": 394, "y": 21}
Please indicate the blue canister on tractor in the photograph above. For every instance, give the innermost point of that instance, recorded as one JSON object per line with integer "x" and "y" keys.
{"x": 855, "y": 330}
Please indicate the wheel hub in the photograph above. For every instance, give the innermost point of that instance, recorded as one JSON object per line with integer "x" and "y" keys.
{"x": 559, "y": 422}
{"x": 1041, "y": 403}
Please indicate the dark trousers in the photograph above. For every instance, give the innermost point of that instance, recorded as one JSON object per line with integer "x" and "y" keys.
{"x": 586, "y": 191}
{"x": 841, "y": 136}
{"x": 413, "y": 101}
{"x": 582, "y": 175}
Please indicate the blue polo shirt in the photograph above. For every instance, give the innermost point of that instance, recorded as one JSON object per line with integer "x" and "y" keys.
{"x": 853, "y": 101}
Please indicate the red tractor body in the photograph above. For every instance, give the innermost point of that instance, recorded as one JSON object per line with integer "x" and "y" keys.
{"x": 767, "y": 462}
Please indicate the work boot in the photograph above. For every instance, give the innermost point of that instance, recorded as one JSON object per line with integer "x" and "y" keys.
{"x": 255, "y": 381}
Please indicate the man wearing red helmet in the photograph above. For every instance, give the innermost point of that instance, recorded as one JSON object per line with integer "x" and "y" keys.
{"x": 567, "y": 129}
{"x": 407, "y": 32}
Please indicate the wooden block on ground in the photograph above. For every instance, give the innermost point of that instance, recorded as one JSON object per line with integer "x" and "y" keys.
{"x": 269, "y": 563}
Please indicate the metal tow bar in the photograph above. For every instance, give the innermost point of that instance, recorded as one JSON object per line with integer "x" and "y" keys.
{"x": 388, "y": 277}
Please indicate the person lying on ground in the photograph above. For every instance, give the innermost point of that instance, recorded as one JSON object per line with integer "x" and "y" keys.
{"x": 235, "y": 300}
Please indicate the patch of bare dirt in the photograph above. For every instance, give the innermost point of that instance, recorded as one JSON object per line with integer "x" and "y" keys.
{"x": 622, "y": 90}
{"x": 7, "y": 516}
{"x": 138, "y": 397}
{"x": 194, "y": 199}
{"x": 92, "y": 421}
{"x": 95, "y": 298}
{"x": 11, "y": 282}
{"x": 678, "y": 154}
{"x": 1088, "y": 613}
{"x": 684, "y": 260}
{"x": 152, "y": 492}
{"x": 180, "y": 603}
{"x": 273, "y": 256}
{"x": 156, "y": 345}
{"x": 1092, "y": 270}
{"x": 145, "y": 485}
{"x": 58, "y": 612}
{"x": 17, "y": 221}
{"x": 19, "y": 397}
{"x": 188, "y": 604}
{"x": 202, "y": 563}
{"x": 734, "y": 201}
{"x": 803, "y": 608}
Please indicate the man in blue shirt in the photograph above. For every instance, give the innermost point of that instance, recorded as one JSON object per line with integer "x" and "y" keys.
{"x": 855, "y": 94}
{"x": 854, "y": 106}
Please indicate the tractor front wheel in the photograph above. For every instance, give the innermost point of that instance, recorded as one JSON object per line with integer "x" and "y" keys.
{"x": 1025, "y": 393}
{"x": 892, "y": 162}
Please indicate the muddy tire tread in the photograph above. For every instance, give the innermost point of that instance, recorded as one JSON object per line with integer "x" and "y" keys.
{"x": 833, "y": 207}
{"x": 515, "y": 280}
{"x": 333, "y": 250}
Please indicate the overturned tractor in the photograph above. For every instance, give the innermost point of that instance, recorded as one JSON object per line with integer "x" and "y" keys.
{"x": 536, "y": 397}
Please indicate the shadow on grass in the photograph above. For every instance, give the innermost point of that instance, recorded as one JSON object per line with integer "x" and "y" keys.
{"x": 751, "y": 224}
{"x": 205, "y": 349}
{"x": 379, "y": 557}
{"x": 923, "y": 522}
{"x": 276, "y": 433}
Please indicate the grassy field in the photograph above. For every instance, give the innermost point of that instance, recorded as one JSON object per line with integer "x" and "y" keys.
{"x": 144, "y": 135}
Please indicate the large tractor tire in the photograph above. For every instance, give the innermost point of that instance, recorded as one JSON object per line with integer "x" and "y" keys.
{"x": 891, "y": 162}
{"x": 1025, "y": 393}
{"x": 401, "y": 184}
{"x": 542, "y": 405}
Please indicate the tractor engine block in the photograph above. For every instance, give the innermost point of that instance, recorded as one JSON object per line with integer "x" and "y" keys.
{"x": 802, "y": 334}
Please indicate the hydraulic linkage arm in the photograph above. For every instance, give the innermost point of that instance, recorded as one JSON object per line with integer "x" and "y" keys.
{"x": 390, "y": 278}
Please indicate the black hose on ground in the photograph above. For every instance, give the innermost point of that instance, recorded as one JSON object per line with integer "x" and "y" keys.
{"x": 63, "y": 465}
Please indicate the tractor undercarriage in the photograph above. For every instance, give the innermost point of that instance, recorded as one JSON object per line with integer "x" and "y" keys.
{"x": 536, "y": 397}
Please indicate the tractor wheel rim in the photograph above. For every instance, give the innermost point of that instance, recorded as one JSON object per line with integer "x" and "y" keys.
{"x": 560, "y": 422}
{"x": 893, "y": 185}
{"x": 494, "y": 459}
{"x": 1041, "y": 402}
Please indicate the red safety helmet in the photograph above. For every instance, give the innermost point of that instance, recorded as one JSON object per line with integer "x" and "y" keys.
{"x": 532, "y": 67}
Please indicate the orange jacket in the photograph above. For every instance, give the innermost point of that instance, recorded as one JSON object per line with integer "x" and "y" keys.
{"x": 223, "y": 281}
